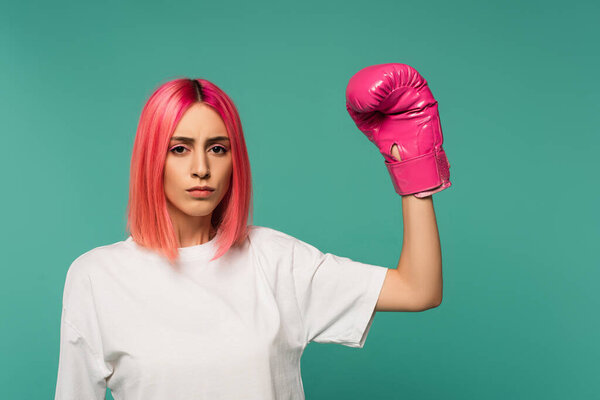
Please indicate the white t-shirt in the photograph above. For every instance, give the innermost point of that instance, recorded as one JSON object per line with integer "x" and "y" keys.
{"x": 234, "y": 328}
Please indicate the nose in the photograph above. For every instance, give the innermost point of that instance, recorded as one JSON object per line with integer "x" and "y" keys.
{"x": 200, "y": 165}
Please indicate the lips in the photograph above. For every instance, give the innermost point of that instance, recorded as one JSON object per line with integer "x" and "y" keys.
{"x": 201, "y": 188}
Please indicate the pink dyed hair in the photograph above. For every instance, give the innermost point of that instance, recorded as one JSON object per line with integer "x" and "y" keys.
{"x": 148, "y": 220}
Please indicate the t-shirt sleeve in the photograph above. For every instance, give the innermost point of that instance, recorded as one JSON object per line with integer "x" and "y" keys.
{"x": 81, "y": 369}
{"x": 336, "y": 295}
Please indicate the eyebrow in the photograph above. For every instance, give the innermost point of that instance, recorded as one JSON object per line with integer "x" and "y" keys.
{"x": 186, "y": 139}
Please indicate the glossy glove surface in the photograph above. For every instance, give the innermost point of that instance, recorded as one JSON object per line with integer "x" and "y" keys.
{"x": 392, "y": 104}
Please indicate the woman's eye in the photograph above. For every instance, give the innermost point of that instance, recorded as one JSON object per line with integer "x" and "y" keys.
{"x": 173, "y": 150}
{"x": 223, "y": 149}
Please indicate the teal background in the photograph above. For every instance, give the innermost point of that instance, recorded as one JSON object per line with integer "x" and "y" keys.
{"x": 517, "y": 87}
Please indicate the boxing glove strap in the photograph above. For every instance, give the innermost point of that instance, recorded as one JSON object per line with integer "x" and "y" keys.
{"x": 420, "y": 174}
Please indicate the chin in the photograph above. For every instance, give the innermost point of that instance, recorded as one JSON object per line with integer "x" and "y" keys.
{"x": 194, "y": 210}
{"x": 198, "y": 213}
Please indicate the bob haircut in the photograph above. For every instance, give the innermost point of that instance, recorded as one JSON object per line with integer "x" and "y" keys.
{"x": 148, "y": 220}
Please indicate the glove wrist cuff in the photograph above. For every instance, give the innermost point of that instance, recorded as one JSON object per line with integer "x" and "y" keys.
{"x": 422, "y": 175}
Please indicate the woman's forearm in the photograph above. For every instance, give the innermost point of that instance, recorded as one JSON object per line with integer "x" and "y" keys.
{"x": 421, "y": 257}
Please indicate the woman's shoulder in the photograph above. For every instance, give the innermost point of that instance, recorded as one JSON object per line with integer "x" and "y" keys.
{"x": 274, "y": 245}
{"x": 269, "y": 235}
{"x": 271, "y": 242}
{"x": 90, "y": 259}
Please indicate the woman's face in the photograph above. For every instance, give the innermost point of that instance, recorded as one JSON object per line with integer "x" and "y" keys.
{"x": 198, "y": 155}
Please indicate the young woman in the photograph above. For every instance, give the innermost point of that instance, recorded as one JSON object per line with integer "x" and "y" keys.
{"x": 196, "y": 303}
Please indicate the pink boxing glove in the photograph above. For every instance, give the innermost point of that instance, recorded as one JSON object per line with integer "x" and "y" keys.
{"x": 392, "y": 104}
